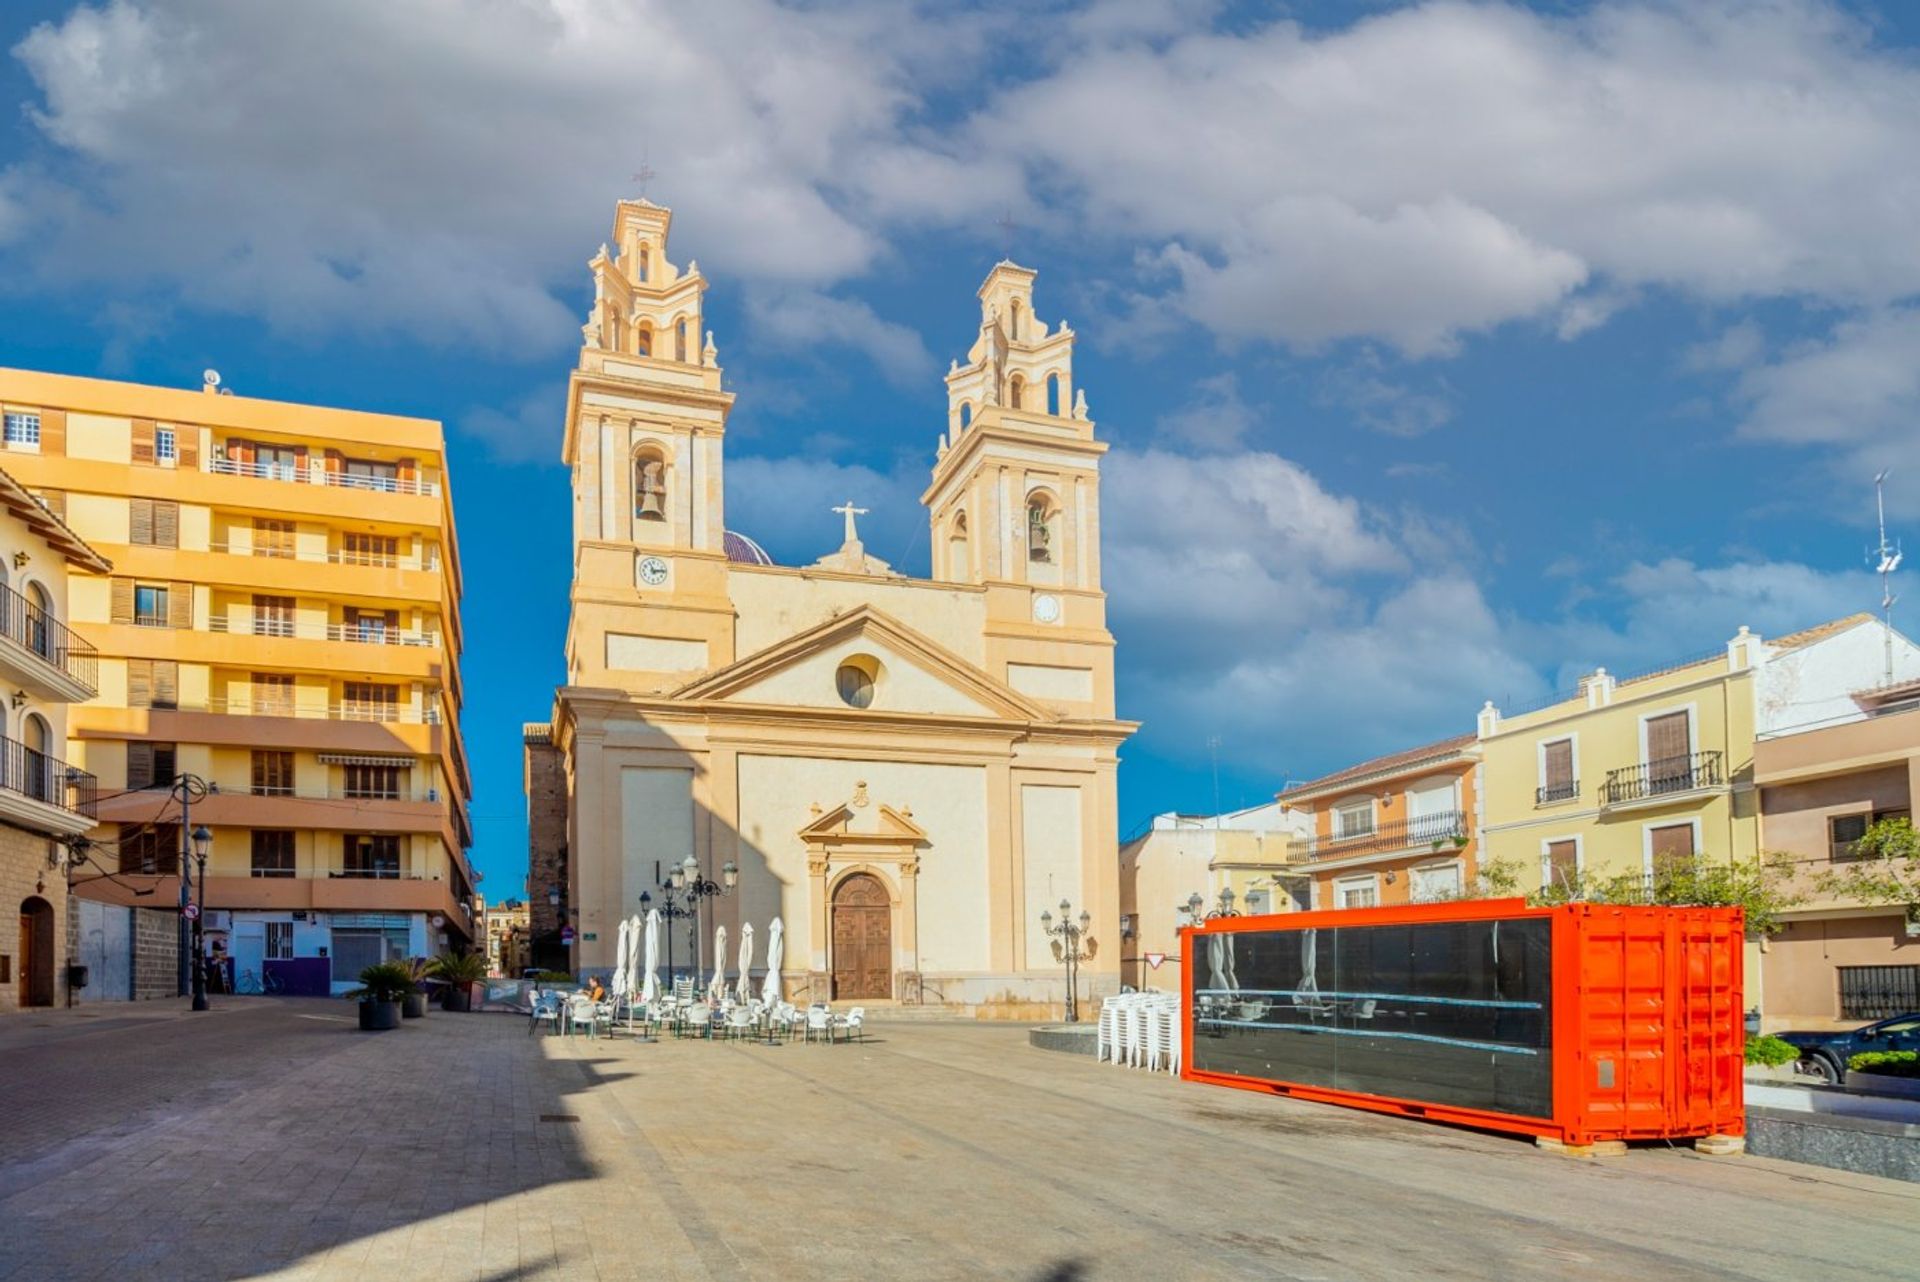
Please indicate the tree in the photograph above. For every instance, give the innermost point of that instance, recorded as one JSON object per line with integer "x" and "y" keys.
{"x": 1885, "y": 867}
{"x": 1762, "y": 886}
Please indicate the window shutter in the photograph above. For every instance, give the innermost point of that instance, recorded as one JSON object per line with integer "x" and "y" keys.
{"x": 300, "y": 462}
{"x": 139, "y": 765}
{"x": 143, "y": 429}
{"x": 140, "y": 522}
{"x": 53, "y": 431}
{"x": 187, "y": 443}
{"x": 335, "y": 462}
{"x": 122, "y": 605}
{"x": 1667, "y": 737}
{"x": 180, "y": 605}
{"x": 166, "y": 683}
{"x": 409, "y": 469}
{"x": 139, "y": 683}
{"x": 1563, "y": 862}
{"x": 1560, "y": 765}
{"x": 166, "y": 525}
{"x": 55, "y": 502}
{"x": 240, "y": 452}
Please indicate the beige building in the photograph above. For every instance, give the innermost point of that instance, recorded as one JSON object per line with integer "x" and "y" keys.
{"x": 282, "y": 621}
{"x": 507, "y": 937}
{"x": 1244, "y": 861}
{"x": 45, "y": 804}
{"x": 907, "y": 771}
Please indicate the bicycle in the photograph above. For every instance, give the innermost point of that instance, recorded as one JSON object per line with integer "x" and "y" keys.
{"x": 250, "y": 984}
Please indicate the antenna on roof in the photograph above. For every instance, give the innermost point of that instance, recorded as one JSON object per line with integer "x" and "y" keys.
{"x": 1889, "y": 555}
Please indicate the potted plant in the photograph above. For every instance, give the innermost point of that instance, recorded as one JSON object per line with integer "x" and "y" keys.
{"x": 383, "y": 986}
{"x": 460, "y": 971}
{"x": 414, "y": 1004}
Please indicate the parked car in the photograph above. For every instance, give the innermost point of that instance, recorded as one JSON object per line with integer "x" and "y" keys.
{"x": 1824, "y": 1056}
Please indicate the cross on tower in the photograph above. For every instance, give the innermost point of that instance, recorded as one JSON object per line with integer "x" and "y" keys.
{"x": 1007, "y": 229}
{"x": 643, "y": 176}
{"x": 848, "y": 510}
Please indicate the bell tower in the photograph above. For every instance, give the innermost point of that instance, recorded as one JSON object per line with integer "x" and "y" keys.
{"x": 646, "y": 416}
{"x": 1015, "y": 496}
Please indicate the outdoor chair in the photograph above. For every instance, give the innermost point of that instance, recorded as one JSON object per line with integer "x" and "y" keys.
{"x": 546, "y": 1010}
{"x": 740, "y": 1022}
{"x": 1156, "y": 1027}
{"x": 1133, "y": 1034}
{"x": 855, "y": 1023}
{"x": 1105, "y": 1040}
{"x": 695, "y": 1022}
{"x": 819, "y": 1020}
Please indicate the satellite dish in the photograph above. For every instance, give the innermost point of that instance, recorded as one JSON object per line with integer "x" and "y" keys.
{"x": 210, "y": 377}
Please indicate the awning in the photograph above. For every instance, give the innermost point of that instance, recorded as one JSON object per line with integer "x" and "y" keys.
{"x": 362, "y": 759}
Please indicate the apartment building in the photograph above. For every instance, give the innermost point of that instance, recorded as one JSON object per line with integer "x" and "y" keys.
{"x": 1241, "y": 861}
{"x": 281, "y": 622}
{"x": 508, "y": 950}
{"x": 45, "y": 804}
{"x": 1396, "y": 829}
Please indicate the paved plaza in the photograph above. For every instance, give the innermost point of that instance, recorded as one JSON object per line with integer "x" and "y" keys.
{"x": 270, "y": 1138}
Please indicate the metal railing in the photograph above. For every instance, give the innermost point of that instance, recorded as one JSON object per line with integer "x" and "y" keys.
{"x": 1662, "y": 776}
{"x": 1438, "y": 831}
{"x": 34, "y": 630}
{"x": 1547, "y": 793}
{"x": 308, "y": 474}
{"x": 362, "y": 633}
{"x": 428, "y": 561}
{"x": 32, "y": 773}
{"x": 351, "y": 710}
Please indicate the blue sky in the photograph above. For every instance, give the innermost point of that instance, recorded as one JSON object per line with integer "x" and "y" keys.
{"x": 1446, "y": 350}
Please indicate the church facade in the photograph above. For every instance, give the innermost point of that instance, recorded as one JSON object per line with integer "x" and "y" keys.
{"x": 907, "y": 771}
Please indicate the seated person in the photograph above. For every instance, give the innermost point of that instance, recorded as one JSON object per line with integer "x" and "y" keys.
{"x": 596, "y": 990}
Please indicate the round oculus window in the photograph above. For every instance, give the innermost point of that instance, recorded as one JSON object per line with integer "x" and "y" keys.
{"x": 855, "y": 683}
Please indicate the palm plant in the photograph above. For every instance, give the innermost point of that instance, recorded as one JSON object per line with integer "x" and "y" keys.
{"x": 458, "y": 968}
{"x": 387, "y": 981}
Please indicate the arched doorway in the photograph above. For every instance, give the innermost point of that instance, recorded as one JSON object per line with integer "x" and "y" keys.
{"x": 36, "y": 952}
{"x": 862, "y": 938}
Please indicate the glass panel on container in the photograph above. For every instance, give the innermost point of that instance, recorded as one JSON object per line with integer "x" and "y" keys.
{"x": 1450, "y": 1012}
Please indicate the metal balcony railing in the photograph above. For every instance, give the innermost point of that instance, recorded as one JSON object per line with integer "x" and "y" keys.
{"x": 429, "y": 561}
{"x": 1448, "y": 828}
{"x": 1663, "y": 776}
{"x": 31, "y": 773}
{"x": 308, "y": 474}
{"x": 40, "y": 634}
{"x": 1547, "y": 793}
{"x": 362, "y": 633}
{"x": 346, "y": 710}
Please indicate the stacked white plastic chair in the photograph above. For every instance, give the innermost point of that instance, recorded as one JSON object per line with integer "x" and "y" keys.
{"x": 1139, "y": 1030}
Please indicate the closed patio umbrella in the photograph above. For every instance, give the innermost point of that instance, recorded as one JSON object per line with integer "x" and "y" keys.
{"x": 776, "y": 954}
{"x": 650, "y": 982}
{"x": 622, "y": 959}
{"x": 745, "y": 988}
{"x": 717, "y": 986}
{"x": 636, "y": 931}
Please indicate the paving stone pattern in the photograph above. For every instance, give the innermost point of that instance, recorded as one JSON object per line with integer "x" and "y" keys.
{"x": 270, "y": 1138}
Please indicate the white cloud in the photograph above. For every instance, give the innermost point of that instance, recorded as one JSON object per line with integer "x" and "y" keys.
{"x": 526, "y": 431}
{"x": 801, "y": 320}
{"x": 1381, "y": 404}
{"x": 1857, "y": 390}
{"x": 1215, "y": 416}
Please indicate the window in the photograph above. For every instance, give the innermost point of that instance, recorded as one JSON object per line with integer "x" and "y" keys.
{"x": 272, "y": 854}
{"x": 150, "y": 848}
{"x": 1669, "y": 749}
{"x": 272, "y": 774}
{"x": 374, "y": 855}
{"x": 153, "y": 523}
{"x": 856, "y": 682}
{"x": 1359, "y": 892}
{"x": 23, "y": 429}
{"x": 1435, "y": 883}
{"x": 1843, "y": 831}
{"x": 1670, "y": 849}
{"x": 1878, "y": 992}
{"x": 279, "y": 940}
{"x": 1562, "y": 863}
{"x": 376, "y": 782}
{"x": 151, "y": 765}
{"x": 272, "y": 537}
{"x": 276, "y": 462}
{"x": 365, "y": 701}
{"x": 1556, "y": 771}
{"x": 166, "y": 448}
{"x": 153, "y": 683}
{"x": 369, "y": 549}
{"x": 365, "y": 474}
{"x": 1353, "y": 818}
{"x": 273, "y": 694}
{"x": 150, "y": 605}
{"x": 272, "y": 616}
{"x": 374, "y": 627}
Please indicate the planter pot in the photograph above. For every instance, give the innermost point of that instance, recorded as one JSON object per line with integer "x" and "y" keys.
{"x": 378, "y": 1016}
{"x": 413, "y": 1006}
{"x": 459, "y": 997}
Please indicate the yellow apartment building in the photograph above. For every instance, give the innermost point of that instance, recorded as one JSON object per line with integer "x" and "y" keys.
{"x": 281, "y": 621}
{"x": 1396, "y": 829}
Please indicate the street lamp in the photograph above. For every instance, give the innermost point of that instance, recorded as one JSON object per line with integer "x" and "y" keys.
{"x": 695, "y": 888}
{"x": 1067, "y": 939}
{"x": 187, "y": 789}
{"x": 1195, "y": 903}
{"x": 202, "y": 840}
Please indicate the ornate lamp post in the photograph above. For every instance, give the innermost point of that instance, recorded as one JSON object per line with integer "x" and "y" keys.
{"x": 681, "y": 896}
{"x": 1067, "y": 939}
{"x": 1195, "y": 903}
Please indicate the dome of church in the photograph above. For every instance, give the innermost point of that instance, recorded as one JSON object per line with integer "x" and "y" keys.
{"x": 744, "y": 550}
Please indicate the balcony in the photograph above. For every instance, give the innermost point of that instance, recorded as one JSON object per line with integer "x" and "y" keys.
{"x": 363, "y": 633}
{"x": 427, "y": 562}
{"x": 1549, "y": 794}
{"x": 1447, "y": 830}
{"x": 1663, "y": 779}
{"x": 310, "y": 475}
{"x": 43, "y": 793}
{"x": 48, "y": 658}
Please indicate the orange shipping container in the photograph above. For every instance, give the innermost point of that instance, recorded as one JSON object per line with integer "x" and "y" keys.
{"x": 1578, "y": 1023}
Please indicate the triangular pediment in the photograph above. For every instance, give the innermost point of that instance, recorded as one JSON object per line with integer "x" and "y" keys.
{"x": 857, "y": 821}
{"x": 916, "y": 675}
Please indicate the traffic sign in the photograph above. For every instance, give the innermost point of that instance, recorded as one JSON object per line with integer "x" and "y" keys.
{"x": 1154, "y": 959}
{"x": 566, "y": 934}
{"x": 192, "y": 912}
